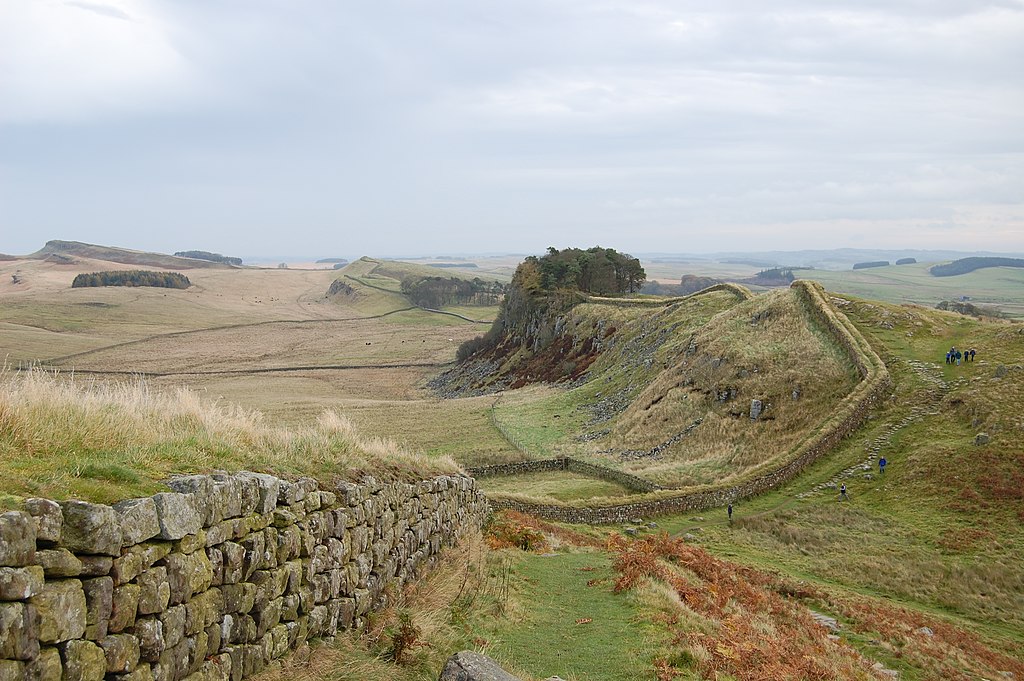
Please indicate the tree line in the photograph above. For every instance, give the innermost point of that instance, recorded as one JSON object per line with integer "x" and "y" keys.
{"x": 131, "y": 278}
{"x": 547, "y": 286}
{"x": 212, "y": 257}
{"x": 965, "y": 265}
{"x": 601, "y": 271}
{"x": 438, "y": 292}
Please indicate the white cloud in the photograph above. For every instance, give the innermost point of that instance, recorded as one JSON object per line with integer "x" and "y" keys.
{"x": 66, "y": 61}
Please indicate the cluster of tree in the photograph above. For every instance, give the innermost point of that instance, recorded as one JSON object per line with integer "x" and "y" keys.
{"x": 872, "y": 263}
{"x": 437, "y": 292}
{"x": 324, "y": 261}
{"x": 132, "y": 278}
{"x": 212, "y": 257}
{"x": 547, "y": 286}
{"x": 602, "y": 271}
{"x": 906, "y": 261}
{"x": 965, "y": 265}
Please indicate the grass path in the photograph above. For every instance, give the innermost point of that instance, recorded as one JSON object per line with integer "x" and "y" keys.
{"x": 571, "y": 623}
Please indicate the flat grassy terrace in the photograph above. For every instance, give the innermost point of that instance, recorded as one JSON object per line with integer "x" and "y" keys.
{"x": 558, "y": 485}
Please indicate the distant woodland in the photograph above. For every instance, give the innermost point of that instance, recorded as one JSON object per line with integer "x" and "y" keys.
{"x": 212, "y": 257}
{"x": 965, "y": 265}
{"x": 602, "y": 271}
{"x": 132, "y": 278}
{"x": 437, "y": 292}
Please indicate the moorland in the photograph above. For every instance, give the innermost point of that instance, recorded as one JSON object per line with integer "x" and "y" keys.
{"x": 916, "y": 574}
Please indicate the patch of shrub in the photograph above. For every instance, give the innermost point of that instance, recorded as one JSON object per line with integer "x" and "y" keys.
{"x": 131, "y": 278}
{"x": 872, "y": 263}
{"x": 212, "y": 257}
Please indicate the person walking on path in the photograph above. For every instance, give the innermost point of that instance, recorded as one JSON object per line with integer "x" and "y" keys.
{"x": 958, "y": 356}
{"x": 947, "y": 357}
{"x": 729, "y": 510}
{"x": 842, "y": 493}
{"x": 972, "y": 352}
{"x": 881, "y": 465}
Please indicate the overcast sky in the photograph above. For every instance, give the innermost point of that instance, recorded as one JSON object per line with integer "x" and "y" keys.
{"x": 295, "y": 127}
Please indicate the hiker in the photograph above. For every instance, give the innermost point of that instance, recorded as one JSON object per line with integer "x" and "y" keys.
{"x": 881, "y": 465}
{"x": 957, "y": 355}
{"x": 730, "y": 512}
{"x": 842, "y": 493}
{"x": 947, "y": 356}
{"x": 971, "y": 352}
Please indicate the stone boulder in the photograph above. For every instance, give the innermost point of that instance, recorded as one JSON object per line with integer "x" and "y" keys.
{"x": 90, "y": 528}
{"x": 471, "y": 666}
{"x": 17, "y": 539}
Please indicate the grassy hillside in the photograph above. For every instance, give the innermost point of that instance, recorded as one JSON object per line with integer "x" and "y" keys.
{"x": 60, "y": 439}
{"x": 77, "y": 249}
{"x": 666, "y": 392}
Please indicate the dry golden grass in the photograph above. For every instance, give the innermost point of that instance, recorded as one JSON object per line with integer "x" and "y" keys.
{"x": 762, "y": 349}
{"x": 101, "y": 441}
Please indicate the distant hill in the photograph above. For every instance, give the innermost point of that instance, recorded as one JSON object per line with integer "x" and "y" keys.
{"x": 965, "y": 265}
{"x": 120, "y": 255}
{"x": 328, "y": 261}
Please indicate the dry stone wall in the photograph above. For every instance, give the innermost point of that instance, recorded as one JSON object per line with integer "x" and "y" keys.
{"x": 214, "y": 580}
{"x": 850, "y": 415}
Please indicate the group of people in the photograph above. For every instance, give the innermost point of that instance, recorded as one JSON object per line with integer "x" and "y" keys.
{"x": 954, "y": 356}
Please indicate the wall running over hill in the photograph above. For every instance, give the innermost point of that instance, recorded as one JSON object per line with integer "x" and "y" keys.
{"x": 214, "y": 580}
{"x": 848, "y": 416}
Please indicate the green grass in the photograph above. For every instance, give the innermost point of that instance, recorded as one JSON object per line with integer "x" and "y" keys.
{"x": 551, "y": 594}
{"x": 559, "y": 485}
{"x": 106, "y": 442}
{"x": 996, "y": 286}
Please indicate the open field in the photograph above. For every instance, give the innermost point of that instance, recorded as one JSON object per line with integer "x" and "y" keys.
{"x": 1001, "y": 288}
{"x": 558, "y": 485}
{"x": 936, "y": 542}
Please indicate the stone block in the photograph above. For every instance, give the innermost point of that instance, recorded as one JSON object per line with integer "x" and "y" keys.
{"x": 203, "y": 610}
{"x": 19, "y": 631}
{"x": 96, "y": 566}
{"x": 201, "y": 487}
{"x": 234, "y": 561}
{"x": 46, "y": 666}
{"x": 62, "y": 612}
{"x": 188, "y": 574}
{"x": 99, "y": 594}
{"x": 83, "y": 661}
{"x": 124, "y": 606}
{"x": 59, "y": 563}
{"x": 267, "y": 487}
{"x": 139, "y": 520}
{"x": 121, "y": 652}
{"x": 17, "y": 539}
{"x": 190, "y": 543}
{"x": 12, "y": 670}
{"x": 90, "y": 528}
{"x": 177, "y": 514}
{"x": 472, "y": 666}
{"x": 126, "y": 568}
{"x": 154, "y": 590}
{"x": 150, "y": 633}
{"x": 49, "y": 519}
{"x": 152, "y": 551}
{"x": 19, "y": 584}
{"x": 239, "y": 598}
{"x": 174, "y": 625}
{"x": 140, "y": 673}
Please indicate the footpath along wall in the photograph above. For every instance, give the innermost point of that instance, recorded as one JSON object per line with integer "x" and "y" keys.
{"x": 214, "y": 580}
